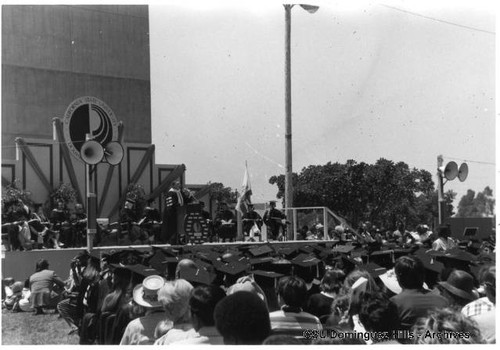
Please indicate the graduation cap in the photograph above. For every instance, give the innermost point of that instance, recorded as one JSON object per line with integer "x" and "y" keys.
{"x": 404, "y": 251}
{"x": 305, "y": 260}
{"x": 373, "y": 269}
{"x": 286, "y": 251}
{"x": 359, "y": 253}
{"x": 230, "y": 257}
{"x": 126, "y": 257}
{"x": 171, "y": 251}
{"x": 266, "y": 278}
{"x": 346, "y": 263}
{"x": 457, "y": 258}
{"x": 382, "y": 257}
{"x": 281, "y": 265}
{"x": 327, "y": 253}
{"x": 307, "y": 249}
{"x": 430, "y": 263}
{"x": 261, "y": 260}
{"x": 158, "y": 261}
{"x": 142, "y": 270}
{"x": 232, "y": 269}
{"x": 208, "y": 256}
{"x": 201, "y": 263}
{"x": 261, "y": 250}
{"x": 345, "y": 249}
{"x": 197, "y": 276}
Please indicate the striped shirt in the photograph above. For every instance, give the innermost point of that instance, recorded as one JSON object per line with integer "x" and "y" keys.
{"x": 293, "y": 323}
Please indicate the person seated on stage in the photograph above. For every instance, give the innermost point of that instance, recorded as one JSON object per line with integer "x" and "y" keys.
{"x": 425, "y": 236}
{"x": 208, "y": 219}
{"x": 291, "y": 319}
{"x": 59, "y": 218}
{"x": 151, "y": 221}
{"x": 40, "y": 229}
{"x": 130, "y": 231}
{"x": 302, "y": 233}
{"x": 14, "y": 222}
{"x": 224, "y": 223}
{"x": 78, "y": 221}
{"x": 365, "y": 236}
{"x": 444, "y": 242}
{"x": 339, "y": 233}
{"x": 273, "y": 218}
{"x": 252, "y": 219}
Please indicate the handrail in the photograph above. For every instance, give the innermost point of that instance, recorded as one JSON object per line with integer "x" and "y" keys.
{"x": 326, "y": 212}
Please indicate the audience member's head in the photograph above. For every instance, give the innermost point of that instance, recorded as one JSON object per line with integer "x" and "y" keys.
{"x": 458, "y": 288}
{"x": 354, "y": 276}
{"x": 247, "y": 284}
{"x": 174, "y": 297}
{"x": 242, "y": 318}
{"x": 41, "y": 265}
{"x": 488, "y": 280}
{"x": 121, "y": 278}
{"x": 356, "y": 283}
{"x": 292, "y": 291}
{"x": 282, "y": 339}
{"x": 446, "y": 326}
{"x": 378, "y": 314}
{"x": 410, "y": 272}
{"x": 444, "y": 231}
{"x": 183, "y": 265}
{"x": 340, "y": 336}
{"x": 339, "y": 312}
{"x": 332, "y": 281}
{"x": 202, "y": 304}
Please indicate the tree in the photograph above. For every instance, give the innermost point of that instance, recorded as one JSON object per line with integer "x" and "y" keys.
{"x": 222, "y": 194}
{"x": 382, "y": 193}
{"x": 480, "y": 205}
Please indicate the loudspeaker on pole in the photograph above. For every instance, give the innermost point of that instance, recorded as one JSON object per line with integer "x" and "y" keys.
{"x": 92, "y": 152}
{"x": 463, "y": 171}
{"x": 450, "y": 171}
{"x": 113, "y": 153}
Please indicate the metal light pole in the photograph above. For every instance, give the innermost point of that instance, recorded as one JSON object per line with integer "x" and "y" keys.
{"x": 288, "y": 112}
{"x": 440, "y": 190}
{"x": 288, "y": 108}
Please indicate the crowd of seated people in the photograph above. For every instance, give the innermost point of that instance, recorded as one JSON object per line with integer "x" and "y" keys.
{"x": 29, "y": 227}
{"x": 120, "y": 303}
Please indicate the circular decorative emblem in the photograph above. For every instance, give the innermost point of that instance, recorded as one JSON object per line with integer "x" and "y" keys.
{"x": 88, "y": 115}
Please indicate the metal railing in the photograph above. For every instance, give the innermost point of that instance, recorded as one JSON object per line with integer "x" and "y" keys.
{"x": 311, "y": 217}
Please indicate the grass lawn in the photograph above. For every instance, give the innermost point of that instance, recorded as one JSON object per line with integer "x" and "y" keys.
{"x": 23, "y": 328}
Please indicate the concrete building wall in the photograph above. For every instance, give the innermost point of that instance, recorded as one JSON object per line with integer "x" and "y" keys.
{"x": 53, "y": 54}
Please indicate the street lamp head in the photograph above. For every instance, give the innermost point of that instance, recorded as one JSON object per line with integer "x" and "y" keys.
{"x": 309, "y": 8}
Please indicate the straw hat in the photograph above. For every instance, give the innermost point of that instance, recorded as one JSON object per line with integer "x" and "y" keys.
{"x": 146, "y": 294}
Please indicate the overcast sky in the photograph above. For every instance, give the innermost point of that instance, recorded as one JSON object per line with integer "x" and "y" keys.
{"x": 396, "y": 79}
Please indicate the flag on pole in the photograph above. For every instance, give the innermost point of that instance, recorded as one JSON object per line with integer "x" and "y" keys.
{"x": 246, "y": 192}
